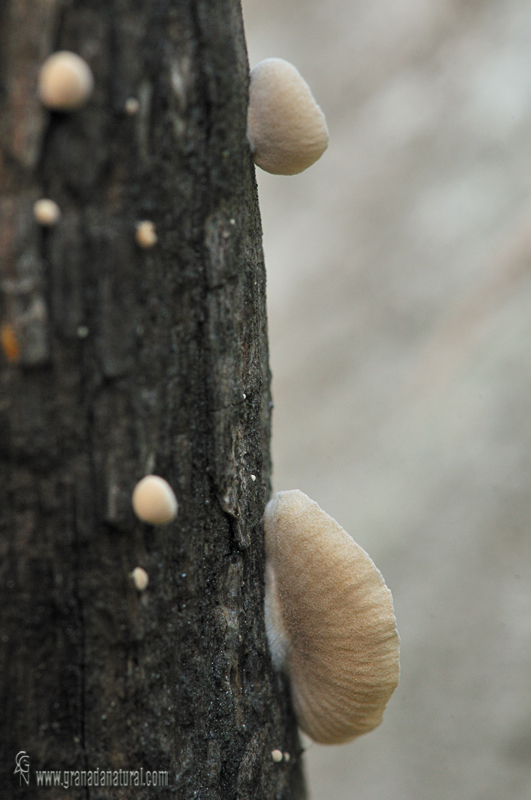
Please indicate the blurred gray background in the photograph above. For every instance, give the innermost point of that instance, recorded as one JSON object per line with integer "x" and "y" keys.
{"x": 399, "y": 280}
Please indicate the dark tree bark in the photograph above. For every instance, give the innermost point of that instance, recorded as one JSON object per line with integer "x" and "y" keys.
{"x": 117, "y": 362}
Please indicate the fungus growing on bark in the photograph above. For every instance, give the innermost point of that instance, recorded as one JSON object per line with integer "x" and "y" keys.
{"x": 146, "y": 234}
{"x": 132, "y": 106}
{"x": 329, "y": 621}
{"x": 65, "y": 81}
{"x": 140, "y": 578}
{"x": 286, "y": 128}
{"x": 46, "y": 212}
{"x": 154, "y": 500}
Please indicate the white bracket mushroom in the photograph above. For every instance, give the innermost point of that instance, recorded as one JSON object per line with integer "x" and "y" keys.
{"x": 46, "y": 212}
{"x": 285, "y": 127}
{"x": 65, "y": 81}
{"x": 154, "y": 500}
{"x": 329, "y": 620}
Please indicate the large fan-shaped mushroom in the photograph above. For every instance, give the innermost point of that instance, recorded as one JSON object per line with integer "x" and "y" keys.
{"x": 329, "y": 621}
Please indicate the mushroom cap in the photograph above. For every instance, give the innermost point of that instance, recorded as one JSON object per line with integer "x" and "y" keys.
{"x": 329, "y": 620}
{"x": 146, "y": 234}
{"x": 140, "y": 578}
{"x": 65, "y": 81}
{"x": 154, "y": 500}
{"x": 285, "y": 126}
{"x": 132, "y": 106}
{"x": 46, "y": 212}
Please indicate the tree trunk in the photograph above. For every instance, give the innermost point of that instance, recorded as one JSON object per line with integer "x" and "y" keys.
{"x": 117, "y": 362}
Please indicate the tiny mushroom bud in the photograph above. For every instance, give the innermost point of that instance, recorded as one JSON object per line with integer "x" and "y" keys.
{"x": 132, "y": 106}
{"x": 329, "y": 621}
{"x": 154, "y": 500}
{"x": 286, "y": 128}
{"x": 276, "y": 755}
{"x": 65, "y": 81}
{"x": 146, "y": 235}
{"x": 46, "y": 212}
{"x": 140, "y": 578}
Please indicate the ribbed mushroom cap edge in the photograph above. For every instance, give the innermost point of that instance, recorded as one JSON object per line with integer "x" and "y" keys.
{"x": 286, "y": 128}
{"x": 330, "y": 621}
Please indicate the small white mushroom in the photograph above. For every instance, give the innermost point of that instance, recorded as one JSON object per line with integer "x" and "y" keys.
{"x": 276, "y": 755}
{"x": 329, "y": 621}
{"x": 286, "y": 128}
{"x": 65, "y": 81}
{"x": 132, "y": 106}
{"x": 46, "y": 212}
{"x": 146, "y": 234}
{"x": 154, "y": 500}
{"x": 140, "y": 578}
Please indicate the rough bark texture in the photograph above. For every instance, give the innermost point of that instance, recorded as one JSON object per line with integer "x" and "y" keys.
{"x": 117, "y": 362}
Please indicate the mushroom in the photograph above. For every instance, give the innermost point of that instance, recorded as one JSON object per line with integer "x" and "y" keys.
{"x": 65, "y": 81}
{"x": 140, "y": 578}
{"x": 329, "y": 621}
{"x": 46, "y": 212}
{"x": 154, "y": 500}
{"x": 132, "y": 106}
{"x": 146, "y": 234}
{"x": 286, "y": 128}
